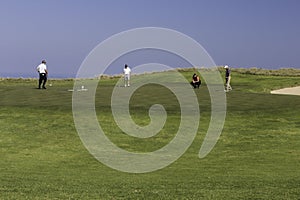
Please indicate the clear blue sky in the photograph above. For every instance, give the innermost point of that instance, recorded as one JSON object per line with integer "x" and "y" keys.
{"x": 241, "y": 33}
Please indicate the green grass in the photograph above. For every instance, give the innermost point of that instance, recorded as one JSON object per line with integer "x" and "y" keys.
{"x": 256, "y": 157}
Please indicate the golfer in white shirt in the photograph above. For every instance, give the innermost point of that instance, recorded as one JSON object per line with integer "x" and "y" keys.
{"x": 127, "y": 72}
{"x": 42, "y": 69}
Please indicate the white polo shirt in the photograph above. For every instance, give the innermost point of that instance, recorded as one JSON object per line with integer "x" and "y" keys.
{"x": 127, "y": 71}
{"x": 41, "y": 68}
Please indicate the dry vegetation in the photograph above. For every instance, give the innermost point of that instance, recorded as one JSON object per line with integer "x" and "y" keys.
{"x": 271, "y": 72}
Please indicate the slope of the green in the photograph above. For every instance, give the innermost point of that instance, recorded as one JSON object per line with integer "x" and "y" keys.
{"x": 256, "y": 157}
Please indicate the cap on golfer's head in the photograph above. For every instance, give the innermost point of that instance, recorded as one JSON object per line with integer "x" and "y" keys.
{"x": 226, "y": 66}
{"x": 43, "y": 61}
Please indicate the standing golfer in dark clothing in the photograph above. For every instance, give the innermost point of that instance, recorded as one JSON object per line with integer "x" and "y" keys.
{"x": 227, "y": 79}
{"x": 42, "y": 69}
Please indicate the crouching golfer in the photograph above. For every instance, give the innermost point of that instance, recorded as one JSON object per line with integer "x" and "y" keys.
{"x": 196, "y": 82}
{"x": 42, "y": 69}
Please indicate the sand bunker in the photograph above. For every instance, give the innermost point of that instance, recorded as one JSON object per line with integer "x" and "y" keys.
{"x": 289, "y": 91}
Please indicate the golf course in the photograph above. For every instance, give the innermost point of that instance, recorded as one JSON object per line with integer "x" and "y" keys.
{"x": 256, "y": 157}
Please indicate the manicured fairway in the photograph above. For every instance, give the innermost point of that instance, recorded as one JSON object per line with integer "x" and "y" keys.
{"x": 256, "y": 157}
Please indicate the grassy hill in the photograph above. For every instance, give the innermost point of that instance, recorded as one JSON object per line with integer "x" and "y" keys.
{"x": 256, "y": 157}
